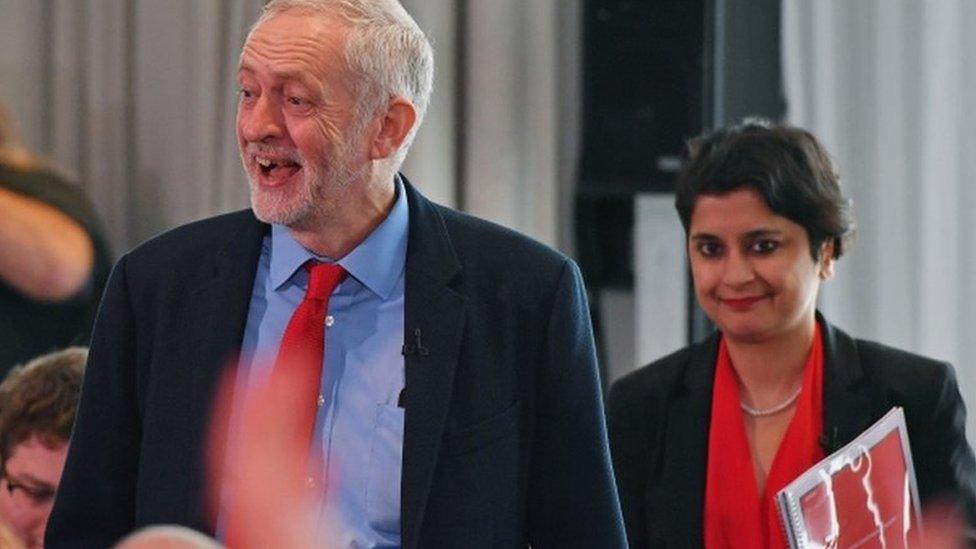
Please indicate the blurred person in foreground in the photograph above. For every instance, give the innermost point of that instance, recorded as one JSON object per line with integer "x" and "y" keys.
{"x": 167, "y": 536}
{"x": 37, "y": 410}
{"x": 704, "y": 438}
{"x": 53, "y": 262}
{"x": 451, "y": 392}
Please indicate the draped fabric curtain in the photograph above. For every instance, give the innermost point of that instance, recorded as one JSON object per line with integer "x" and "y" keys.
{"x": 887, "y": 85}
{"x": 511, "y": 114}
{"x": 501, "y": 139}
{"x": 135, "y": 100}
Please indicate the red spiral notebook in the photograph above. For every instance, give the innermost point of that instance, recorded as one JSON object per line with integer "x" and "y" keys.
{"x": 862, "y": 496}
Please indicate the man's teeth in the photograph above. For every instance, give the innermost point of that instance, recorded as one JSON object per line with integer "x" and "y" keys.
{"x": 269, "y": 163}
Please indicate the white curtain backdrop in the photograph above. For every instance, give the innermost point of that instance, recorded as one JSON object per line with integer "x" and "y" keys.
{"x": 511, "y": 114}
{"x": 502, "y": 135}
{"x": 887, "y": 85}
{"x": 135, "y": 99}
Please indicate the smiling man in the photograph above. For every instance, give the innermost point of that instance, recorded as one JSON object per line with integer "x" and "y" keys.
{"x": 449, "y": 392}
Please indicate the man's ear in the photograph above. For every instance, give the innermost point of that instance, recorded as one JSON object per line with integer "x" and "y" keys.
{"x": 827, "y": 260}
{"x": 395, "y": 125}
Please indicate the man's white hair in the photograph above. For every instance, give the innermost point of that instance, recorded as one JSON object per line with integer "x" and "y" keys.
{"x": 386, "y": 49}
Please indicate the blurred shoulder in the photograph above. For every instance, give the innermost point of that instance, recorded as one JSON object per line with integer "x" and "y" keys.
{"x": 477, "y": 240}
{"x": 896, "y": 377}
{"x": 198, "y": 237}
{"x": 188, "y": 257}
{"x": 653, "y": 382}
{"x": 888, "y": 359}
{"x": 904, "y": 376}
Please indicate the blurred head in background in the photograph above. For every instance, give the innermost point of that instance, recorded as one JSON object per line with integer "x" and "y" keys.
{"x": 37, "y": 411}
{"x": 168, "y": 536}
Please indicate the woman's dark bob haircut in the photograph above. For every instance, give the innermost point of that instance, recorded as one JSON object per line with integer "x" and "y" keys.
{"x": 787, "y": 166}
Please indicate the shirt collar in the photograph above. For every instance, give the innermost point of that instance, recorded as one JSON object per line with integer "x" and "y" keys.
{"x": 376, "y": 262}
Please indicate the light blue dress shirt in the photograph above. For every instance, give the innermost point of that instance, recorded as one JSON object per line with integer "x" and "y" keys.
{"x": 359, "y": 430}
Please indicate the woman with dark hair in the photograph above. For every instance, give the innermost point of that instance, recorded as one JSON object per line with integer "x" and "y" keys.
{"x": 704, "y": 438}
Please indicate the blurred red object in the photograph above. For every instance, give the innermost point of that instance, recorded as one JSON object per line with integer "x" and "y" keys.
{"x": 257, "y": 466}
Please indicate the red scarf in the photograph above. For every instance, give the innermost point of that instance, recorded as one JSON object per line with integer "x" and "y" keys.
{"x": 735, "y": 515}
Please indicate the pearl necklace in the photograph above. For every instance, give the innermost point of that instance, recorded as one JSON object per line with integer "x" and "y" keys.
{"x": 764, "y": 412}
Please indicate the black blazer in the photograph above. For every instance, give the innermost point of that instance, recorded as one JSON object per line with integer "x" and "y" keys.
{"x": 504, "y": 437}
{"x": 659, "y": 417}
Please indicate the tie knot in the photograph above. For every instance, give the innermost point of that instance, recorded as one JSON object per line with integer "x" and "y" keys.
{"x": 323, "y": 279}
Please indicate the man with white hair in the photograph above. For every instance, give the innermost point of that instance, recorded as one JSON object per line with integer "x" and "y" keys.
{"x": 450, "y": 394}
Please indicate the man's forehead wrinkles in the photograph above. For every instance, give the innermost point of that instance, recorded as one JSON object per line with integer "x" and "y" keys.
{"x": 320, "y": 44}
{"x": 305, "y": 57}
{"x": 290, "y": 71}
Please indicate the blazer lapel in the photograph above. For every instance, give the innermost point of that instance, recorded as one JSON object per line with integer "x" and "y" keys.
{"x": 684, "y": 463}
{"x": 848, "y": 402}
{"x": 215, "y": 317}
{"x": 434, "y": 324}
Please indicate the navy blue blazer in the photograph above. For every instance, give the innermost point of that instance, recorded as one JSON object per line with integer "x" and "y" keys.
{"x": 659, "y": 418}
{"x": 504, "y": 437}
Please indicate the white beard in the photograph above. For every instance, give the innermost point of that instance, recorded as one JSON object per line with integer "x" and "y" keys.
{"x": 316, "y": 197}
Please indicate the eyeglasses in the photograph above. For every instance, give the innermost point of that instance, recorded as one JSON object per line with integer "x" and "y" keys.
{"x": 27, "y": 495}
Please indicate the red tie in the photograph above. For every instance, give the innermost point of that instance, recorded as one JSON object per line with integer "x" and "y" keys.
{"x": 298, "y": 371}
{"x": 303, "y": 345}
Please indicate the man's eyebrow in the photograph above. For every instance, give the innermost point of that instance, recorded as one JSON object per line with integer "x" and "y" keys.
{"x": 703, "y": 236}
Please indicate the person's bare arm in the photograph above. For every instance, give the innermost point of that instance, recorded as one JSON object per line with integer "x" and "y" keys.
{"x": 44, "y": 254}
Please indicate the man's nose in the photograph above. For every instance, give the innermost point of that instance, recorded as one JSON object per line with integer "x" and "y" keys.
{"x": 262, "y": 121}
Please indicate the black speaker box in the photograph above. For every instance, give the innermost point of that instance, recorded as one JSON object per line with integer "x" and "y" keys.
{"x": 643, "y": 82}
{"x": 642, "y": 88}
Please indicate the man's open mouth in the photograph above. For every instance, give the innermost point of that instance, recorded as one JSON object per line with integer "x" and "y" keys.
{"x": 277, "y": 168}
